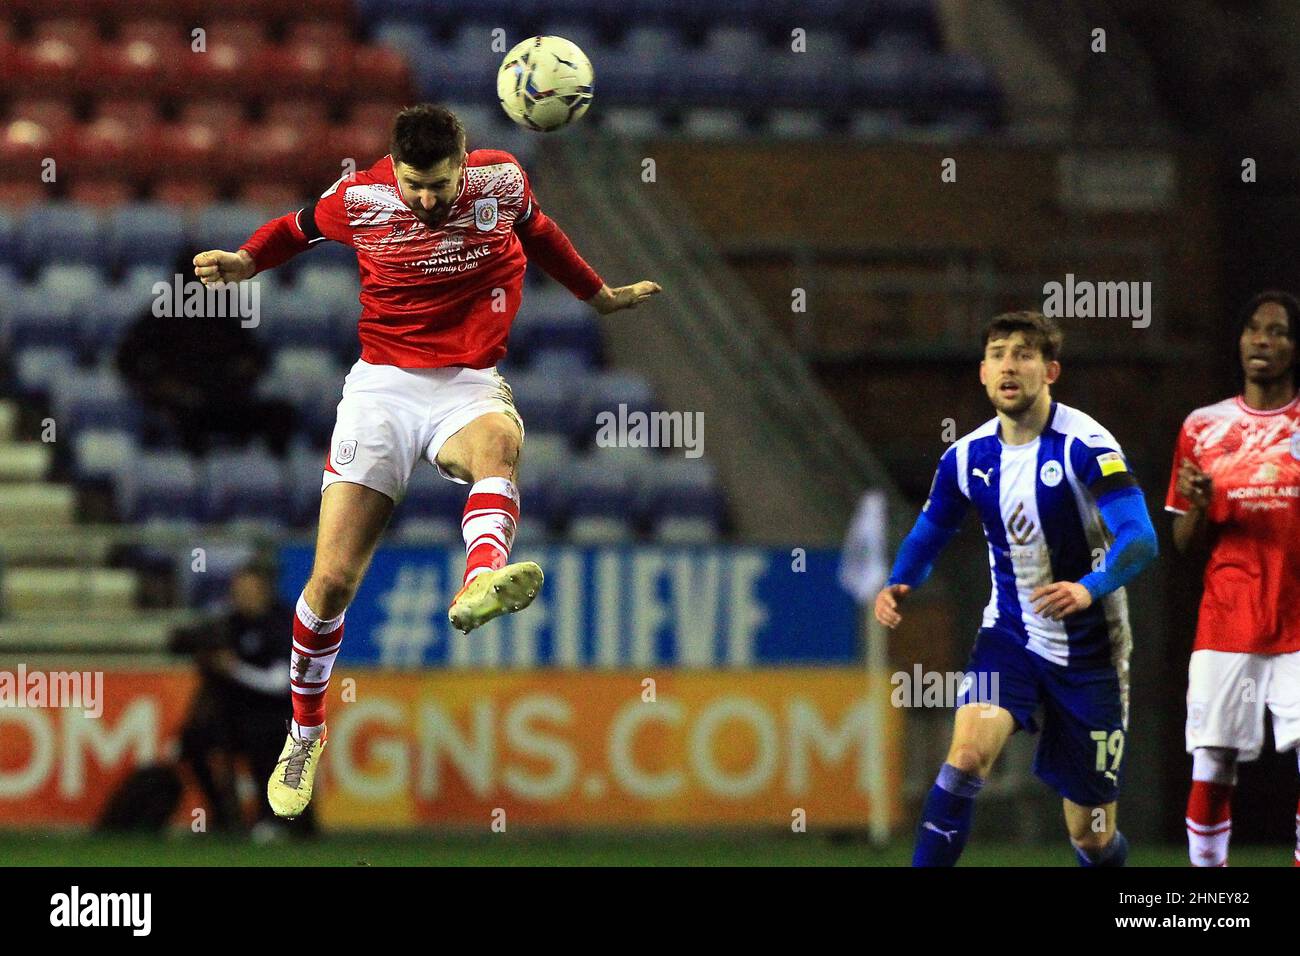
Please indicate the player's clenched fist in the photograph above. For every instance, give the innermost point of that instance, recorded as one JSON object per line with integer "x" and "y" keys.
{"x": 609, "y": 300}
{"x": 217, "y": 266}
{"x": 1195, "y": 485}
{"x": 887, "y": 602}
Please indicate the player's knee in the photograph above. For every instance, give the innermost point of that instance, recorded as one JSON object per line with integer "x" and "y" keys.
{"x": 497, "y": 453}
{"x": 334, "y": 589}
{"x": 1091, "y": 841}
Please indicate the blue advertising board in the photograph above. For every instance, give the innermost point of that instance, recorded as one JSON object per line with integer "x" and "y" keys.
{"x": 605, "y": 607}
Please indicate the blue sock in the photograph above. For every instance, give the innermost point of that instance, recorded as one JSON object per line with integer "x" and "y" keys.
{"x": 1113, "y": 853}
{"x": 945, "y": 820}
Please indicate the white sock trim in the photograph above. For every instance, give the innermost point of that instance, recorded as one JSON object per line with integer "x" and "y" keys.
{"x": 314, "y": 623}
{"x": 496, "y": 486}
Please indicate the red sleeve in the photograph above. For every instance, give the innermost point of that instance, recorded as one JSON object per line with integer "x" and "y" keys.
{"x": 546, "y": 244}
{"x": 1173, "y": 500}
{"x": 277, "y": 241}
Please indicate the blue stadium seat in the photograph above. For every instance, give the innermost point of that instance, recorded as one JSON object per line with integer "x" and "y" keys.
{"x": 592, "y": 489}
{"x": 680, "y": 486}
{"x": 103, "y": 454}
{"x": 243, "y": 484}
{"x": 210, "y": 587}
{"x": 60, "y": 232}
{"x": 145, "y": 233}
{"x": 431, "y": 496}
{"x": 411, "y": 38}
{"x": 886, "y": 80}
{"x": 604, "y": 393}
{"x": 226, "y": 226}
{"x": 564, "y": 364}
{"x": 552, "y": 318}
{"x": 304, "y": 470}
{"x": 162, "y": 484}
{"x": 545, "y": 403}
{"x": 38, "y": 369}
{"x": 94, "y": 400}
{"x": 580, "y": 33}
{"x": 79, "y": 283}
{"x": 8, "y": 239}
{"x": 677, "y": 530}
{"x": 33, "y": 319}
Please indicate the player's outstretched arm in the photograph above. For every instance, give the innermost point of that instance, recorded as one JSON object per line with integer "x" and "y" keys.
{"x": 608, "y": 300}
{"x": 216, "y": 266}
{"x": 915, "y": 560}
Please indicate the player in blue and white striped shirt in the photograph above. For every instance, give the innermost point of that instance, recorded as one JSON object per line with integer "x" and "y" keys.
{"x": 1067, "y": 528}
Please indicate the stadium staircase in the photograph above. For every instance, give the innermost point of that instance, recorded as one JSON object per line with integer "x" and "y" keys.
{"x": 58, "y": 589}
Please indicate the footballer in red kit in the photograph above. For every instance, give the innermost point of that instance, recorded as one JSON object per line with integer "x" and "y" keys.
{"x": 1235, "y": 489}
{"x": 442, "y": 237}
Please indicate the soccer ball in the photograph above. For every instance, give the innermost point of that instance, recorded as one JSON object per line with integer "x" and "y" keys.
{"x": 545, "y": 83}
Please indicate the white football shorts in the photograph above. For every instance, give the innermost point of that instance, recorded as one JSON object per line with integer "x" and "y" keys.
{"x": 390, "y": 418}
{"x": 1227, "y": 694}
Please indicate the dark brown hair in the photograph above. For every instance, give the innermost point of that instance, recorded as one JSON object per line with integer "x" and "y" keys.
{"x": 1040, "y": 332}
{"x": 425, "y": 135}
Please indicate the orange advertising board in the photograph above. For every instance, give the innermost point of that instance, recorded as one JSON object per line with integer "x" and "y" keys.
{"x": 569, "y": 749}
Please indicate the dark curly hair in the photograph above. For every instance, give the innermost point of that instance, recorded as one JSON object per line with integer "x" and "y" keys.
{"x": 1289, "y": 304}
{"x": 1040, "y": 331}
{"x": 425, "y": 135}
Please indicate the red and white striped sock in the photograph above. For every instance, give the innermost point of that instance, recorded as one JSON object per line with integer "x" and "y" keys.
{"x": 1209, "y": 823}
{"x": 491, "y": 517}
{"x": 316, "y": 644}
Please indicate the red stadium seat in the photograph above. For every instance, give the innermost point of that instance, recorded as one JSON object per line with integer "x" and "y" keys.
{"x": 184, "y": 192}
{"x": 225, "y": 69}
{"x": 21, "y": 193}
{"x": 25, "y": 145}
{"x": 51, "y": 67}
{"x": 136, "y": 67}
{"x": 322, "y": 33}
{"x": 194, "y": 147}
{"x": 375, "y": 112}
{"x": 158, "y": 31}
{"x": 55, "y": 115}
{"x": 216, "y": 113}
{"x": 297, "y": 110}
{"x": 80, "y": 33}
{"x": 381, "y": 68}
{"x": 275, "y": 198}
{"x": 101, "y": 192}
{"x": 111, "y": 148}
{"x": 138, "y": 112}
{"x": 362, "y": 143}
{"x": 308, "y": 70}
{"x": 275, "y": 150}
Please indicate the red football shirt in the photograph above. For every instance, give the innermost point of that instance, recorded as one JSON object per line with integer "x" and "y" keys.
{"x": 431, "y": 298}
{"x": 1253, "y": 574}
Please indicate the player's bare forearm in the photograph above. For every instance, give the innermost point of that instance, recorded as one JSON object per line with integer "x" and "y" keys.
{"x": 1191, "y": 530}
{"x": 608, "y": 299}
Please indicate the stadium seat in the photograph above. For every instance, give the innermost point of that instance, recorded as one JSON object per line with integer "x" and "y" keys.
{"x": 145, "y": 234}
{"x": 633, "y": 122}
{"x": 194, "y": 147}
{"x": 158, "y": 31}
{"x": 796, "y": 124}
{"x": 430, "y": 496}
{"x": 50, "y": 67}
{"x": 96, "y": 400}
{"x": 225, "y": 226}
{"x": 103, "y": 194}
{"x": 605, "y": 392}
{"x": 676, "y": 530}
{"x": 243, "y": 484}
{"x": 562, "y": 364}
{"x": 412, "y": 40}
{"x": 139, "y": 66}
{"x": 57, "y": 116}
{"x": 78, "y": 283}
{"x": 113, "y": 146}
{"x": 382, "y": 68}
{"x": 591, "y": 489}
{"x": 425, "y": 531}
{"x": 679, "y": 486}
{"x": 544, "y": 403}
{"x": 589, "y": 530}
{"x": 713, "y": 123}
{"x": 32, "y": 320}
{"x": 163, "y": 484}
{"x": 25, "y": 146}
{"x": 37, "y": 369}
{"x": 103, "y": 454}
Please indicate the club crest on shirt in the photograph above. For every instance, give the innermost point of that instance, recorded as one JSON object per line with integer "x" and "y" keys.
{"x": 485, "y": 214}
{"x": 347, "y": 451}
{"x": 1295, "y": 445}
{"x": 1050, "y": 474}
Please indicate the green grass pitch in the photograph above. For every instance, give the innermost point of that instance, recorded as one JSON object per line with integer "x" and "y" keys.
{"x": 532, "y": 849}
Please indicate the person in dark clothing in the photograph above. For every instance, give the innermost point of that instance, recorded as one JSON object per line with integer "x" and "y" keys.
{"x": 242, "y": 705}
{"x": 201, "y": 374}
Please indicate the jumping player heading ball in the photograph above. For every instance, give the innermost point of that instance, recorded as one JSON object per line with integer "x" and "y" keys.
{"x": 442, "y": 237}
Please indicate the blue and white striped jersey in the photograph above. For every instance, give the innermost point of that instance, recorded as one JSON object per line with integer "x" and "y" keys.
{"x": 1039, "y": 504}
